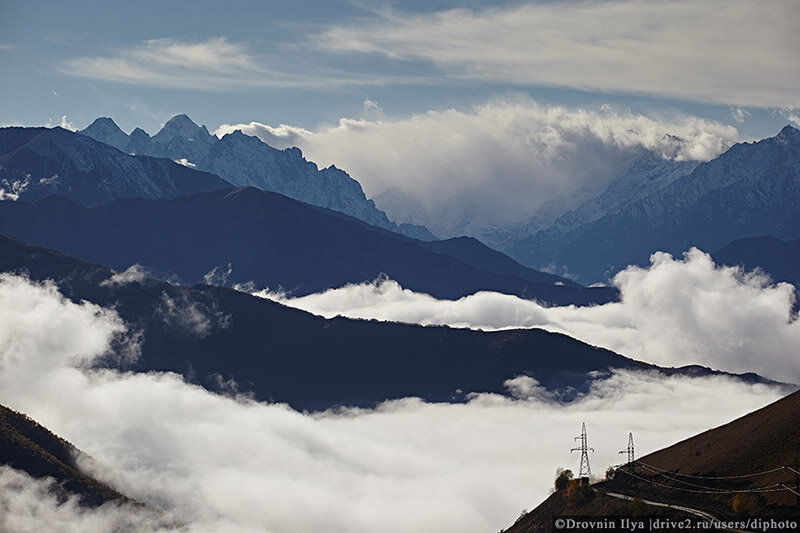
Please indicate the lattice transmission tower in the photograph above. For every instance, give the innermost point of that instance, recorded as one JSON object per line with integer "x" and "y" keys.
{"x": 629, "y": 450}
{"x": 585, "y": 472}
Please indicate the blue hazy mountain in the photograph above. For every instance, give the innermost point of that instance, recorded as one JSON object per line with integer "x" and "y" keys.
{"x": 247, "y": 235}
{"x": 779, "y": 259}
{"x": 39, "y": 162}
{"x": 753, "y": 189}
{"x": 244, "y": 160}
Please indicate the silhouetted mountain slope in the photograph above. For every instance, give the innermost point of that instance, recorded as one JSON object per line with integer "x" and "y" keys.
{"x": 780, "y": 259}
{"x": 25, "y": 445}
{"x": 39, "y": 162}
{"x": 213, "y": 335}
{"x": 266, "y": 238}
{"x": 473, "y": 252}
{"x": 753, "y": 189}
{"x": 735, "y": 470}
{"x": 244, "y": 160}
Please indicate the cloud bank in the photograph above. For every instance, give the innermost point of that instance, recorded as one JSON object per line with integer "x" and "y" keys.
{"x": 223, "y": 464}
{"x": 464, "y": 172}
{"x": 676, "y": 312}
{"x": 739, "y": 52}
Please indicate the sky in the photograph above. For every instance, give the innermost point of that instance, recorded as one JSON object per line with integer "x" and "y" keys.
{"x": 310, "y": 64}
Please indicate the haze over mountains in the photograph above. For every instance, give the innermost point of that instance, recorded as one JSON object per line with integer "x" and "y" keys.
{"x": 751, "y": 190}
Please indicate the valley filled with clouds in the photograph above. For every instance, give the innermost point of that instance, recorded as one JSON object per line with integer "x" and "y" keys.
{"x": 222, "y": 463}
{"x": 678, "y": 311}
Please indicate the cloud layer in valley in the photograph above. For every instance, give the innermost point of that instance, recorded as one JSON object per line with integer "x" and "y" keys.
{"x": 220, "y": 463}
{"x": 466, "y": 171}
{"x": 676, "y": 312}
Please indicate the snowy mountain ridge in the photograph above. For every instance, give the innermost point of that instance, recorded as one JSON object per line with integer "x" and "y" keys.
{"x": 244, "y": 160}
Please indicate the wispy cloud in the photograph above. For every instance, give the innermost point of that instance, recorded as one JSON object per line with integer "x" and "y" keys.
{"x": 213, "y": 64}
{"x": 740, "y": 52}
{"x": 63, "y": 123}
{"x": 217, "y": 64}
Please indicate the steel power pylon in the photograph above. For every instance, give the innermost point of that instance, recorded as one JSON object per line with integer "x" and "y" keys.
{"x": 585, "y": 471}
{"x": 629, "y": 450}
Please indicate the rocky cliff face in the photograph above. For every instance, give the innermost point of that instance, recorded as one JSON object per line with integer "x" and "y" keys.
{"x": 247, "y": 161}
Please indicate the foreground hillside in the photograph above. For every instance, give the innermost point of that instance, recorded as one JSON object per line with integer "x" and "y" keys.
{"x": 745, "y": 468}
{"x": 27, "y": 446}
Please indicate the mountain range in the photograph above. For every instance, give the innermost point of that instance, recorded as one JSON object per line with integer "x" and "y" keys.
{"x": 287, "y": 355}
{"x": 751, "y": 190}
{"x": 261, "y": 237}
{"x": 40, "y": 162}
{"x": 245, "y": 235}
{"x": 244, "y": 160}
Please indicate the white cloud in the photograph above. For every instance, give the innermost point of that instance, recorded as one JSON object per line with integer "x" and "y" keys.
{"x": 739, "y": 114}
{"x": 63, "y": 123}
{"x": 212, "y": 64}
{"x": 30, "y": 504}
{"x": 676, "y": 312}
{"x": 230, "y": 464}
{"x": 133, "y": 274}
{"x": 467, "y": 171}
{"x": 185, "y": 162}
{"x": 740, "y": 52}
{"x": 192, "y": 317}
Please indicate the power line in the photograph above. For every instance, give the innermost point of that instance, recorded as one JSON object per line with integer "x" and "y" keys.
{"x": 754, "y": 474}
{"x": 676, "y": 480}
{"x": 777, "y": 487}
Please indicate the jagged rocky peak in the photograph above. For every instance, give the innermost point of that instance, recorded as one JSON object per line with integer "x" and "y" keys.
{"x": 183, "y": 127}
{"x": 139, "y": 133}
{"x": 789, "y": 133}
{"x": 105, "y": 130}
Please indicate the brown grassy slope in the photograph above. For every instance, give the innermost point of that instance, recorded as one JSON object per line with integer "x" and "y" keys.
{"x": 30, "y": 447}
{"x": 763, "y": 440}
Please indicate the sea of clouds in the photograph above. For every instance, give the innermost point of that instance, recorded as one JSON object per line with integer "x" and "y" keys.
{"x": 675, "y": 312}
{"x": 217, "y": 463}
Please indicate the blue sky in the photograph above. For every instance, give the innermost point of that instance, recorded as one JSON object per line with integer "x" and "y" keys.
{"x": 311, "y": 63}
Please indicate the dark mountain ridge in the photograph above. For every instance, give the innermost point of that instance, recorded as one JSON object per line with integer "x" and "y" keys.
{"x": 263, "y": 238}
{"x": 216, "y": 336}
{"x": 40, "y": 162}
